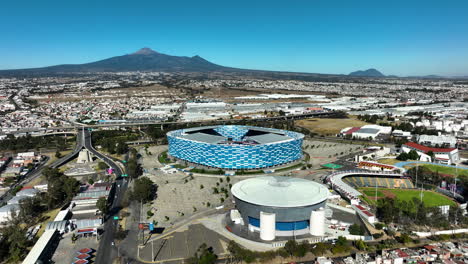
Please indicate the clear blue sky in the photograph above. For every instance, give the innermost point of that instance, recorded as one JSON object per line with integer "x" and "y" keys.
{"x": 409, "y": 37}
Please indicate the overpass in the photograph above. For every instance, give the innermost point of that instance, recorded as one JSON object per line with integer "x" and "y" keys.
{"x": 152, "y": 122}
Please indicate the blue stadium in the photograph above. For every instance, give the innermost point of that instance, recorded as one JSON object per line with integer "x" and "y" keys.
{"x": 235, "y": 147}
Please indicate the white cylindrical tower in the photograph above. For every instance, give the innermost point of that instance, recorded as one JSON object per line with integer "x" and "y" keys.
{"x": 317, "y": 222}
{"x": 267, "y": 226}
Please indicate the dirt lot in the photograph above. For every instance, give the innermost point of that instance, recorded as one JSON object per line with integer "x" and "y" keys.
{"x": 329, "y": 126}
{"x": 179, "y": 196}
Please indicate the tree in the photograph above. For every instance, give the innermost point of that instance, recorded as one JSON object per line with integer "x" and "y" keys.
{"x": 58, "y": 155}
{"x": 102, "y": 165}
{"x": 361, "y": 245}
{"x": 101, "y": 204}
{"x": 61, "y": 189}
{"x": 320, "y": 248}
{"x": 121, "y": 147}
{"x": 404, "y": 238}
{"x": 144, "y": 190}
{"x": 356, "y": 229}
{"x": 290, "y": 247}
{"x": 403, "y": 156}
{"x": 413, "y": 155}
{"x": 204, "y": 255}
{"x": 30, "y": 208}
{"x": 431, "y": 154}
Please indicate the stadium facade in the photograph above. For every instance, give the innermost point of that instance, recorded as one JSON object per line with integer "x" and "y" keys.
{"x": 281, "y": 206}
{"x": 235, "y": 147}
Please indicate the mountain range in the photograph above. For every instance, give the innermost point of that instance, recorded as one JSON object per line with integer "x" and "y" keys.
{"x": 147, "y": 59}
{"x": 144, "y": 59}
{"x": 367, "y": 73}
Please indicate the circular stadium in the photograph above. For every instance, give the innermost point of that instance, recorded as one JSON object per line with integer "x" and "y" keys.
{"x": 235, "y": 147}
{"x": 281, "y": 206}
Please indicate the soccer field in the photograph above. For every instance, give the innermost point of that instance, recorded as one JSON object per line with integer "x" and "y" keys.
{"x": 430, "y": 198}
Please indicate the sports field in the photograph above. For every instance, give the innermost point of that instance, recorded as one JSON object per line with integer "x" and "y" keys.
{"x": 430, "y": 198}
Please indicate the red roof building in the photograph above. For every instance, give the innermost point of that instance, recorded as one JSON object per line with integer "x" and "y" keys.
{"x": 425, "y": 149}
{"x": 373, "y": 164}
{"x": 351, "y": 130}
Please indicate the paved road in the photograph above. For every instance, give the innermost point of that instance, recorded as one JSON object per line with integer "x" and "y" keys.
{"x": 107, "y": 251}
{"x": 36, "y": 172}
{"x": 152, "y": 122}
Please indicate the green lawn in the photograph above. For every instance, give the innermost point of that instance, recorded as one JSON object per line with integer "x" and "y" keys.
{"x": 430, "y": 199}
{"x": 163, "y": 158}
{"x": 446, "y": 170}
{"x": 179, "y": 166}
{"x": 371, "y": 192}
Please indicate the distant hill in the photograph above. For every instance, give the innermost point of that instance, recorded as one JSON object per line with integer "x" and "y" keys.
{"x": 144, "y": 59}
{"x": 367, "y": 73}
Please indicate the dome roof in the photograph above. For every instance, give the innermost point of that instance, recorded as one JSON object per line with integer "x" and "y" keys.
{"x": 280, "y": 191}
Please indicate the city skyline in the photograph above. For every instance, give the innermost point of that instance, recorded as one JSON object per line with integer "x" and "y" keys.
{"x": 334, "y": 37}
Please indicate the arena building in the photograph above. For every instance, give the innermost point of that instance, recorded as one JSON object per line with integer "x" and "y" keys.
{"x": 235, "y": 147}
{"x": 281, "y": 206}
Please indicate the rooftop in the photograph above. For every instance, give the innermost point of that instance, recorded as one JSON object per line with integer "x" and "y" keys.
{"x": 280, "y": 191}
{"x": 231, "y": 134}
{"x": 427, "y": 149}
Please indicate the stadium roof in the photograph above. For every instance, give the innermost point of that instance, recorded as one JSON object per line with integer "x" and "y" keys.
{"x": 199, "y": 128}
{"x": 427, "y": 149}
{"x": 269, "y": 138}
{"x": 279, "y": 191}
{"x": 216, "y": 135}
{"x": 202, "y": 137}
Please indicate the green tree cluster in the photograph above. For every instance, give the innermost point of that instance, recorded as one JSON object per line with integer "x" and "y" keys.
{"x": 411, "y": 155}
{"x": 29, "y": 142}
{"x": 144, "y": 190}
{"x": 102, "y": 205}
{"x": 61, "y": 189}
{"x": 356, "y": 229}
{"x": 204, "y": 255}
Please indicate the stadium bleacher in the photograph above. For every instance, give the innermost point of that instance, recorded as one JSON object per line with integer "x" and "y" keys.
{"x": 383, "y": 182}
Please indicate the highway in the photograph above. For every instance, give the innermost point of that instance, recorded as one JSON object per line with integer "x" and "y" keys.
{"x": 152, "y": 122}
{"x": 107, "y": 251}
{"x": 37, "y": 171}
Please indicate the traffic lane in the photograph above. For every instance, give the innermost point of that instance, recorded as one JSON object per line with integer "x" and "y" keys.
{"x": 26, "y": 179}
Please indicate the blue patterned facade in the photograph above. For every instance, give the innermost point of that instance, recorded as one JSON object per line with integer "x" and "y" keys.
{"x": 236, "y": 156}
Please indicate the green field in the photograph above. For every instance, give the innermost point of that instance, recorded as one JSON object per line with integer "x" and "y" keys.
{"x": 430, "y": 199}
{"x": 446, "y": 170}
{"x": 371, "y": 192}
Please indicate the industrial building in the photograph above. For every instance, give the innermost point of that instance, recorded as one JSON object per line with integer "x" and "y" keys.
{"x": 235, "y": 147}
{"x": 277, "y": 206}
{"x": 442, "y": 141}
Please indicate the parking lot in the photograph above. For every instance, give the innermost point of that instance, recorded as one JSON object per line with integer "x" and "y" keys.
{"x": 66, "y": 250}
{"x": 182, "y": 245}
